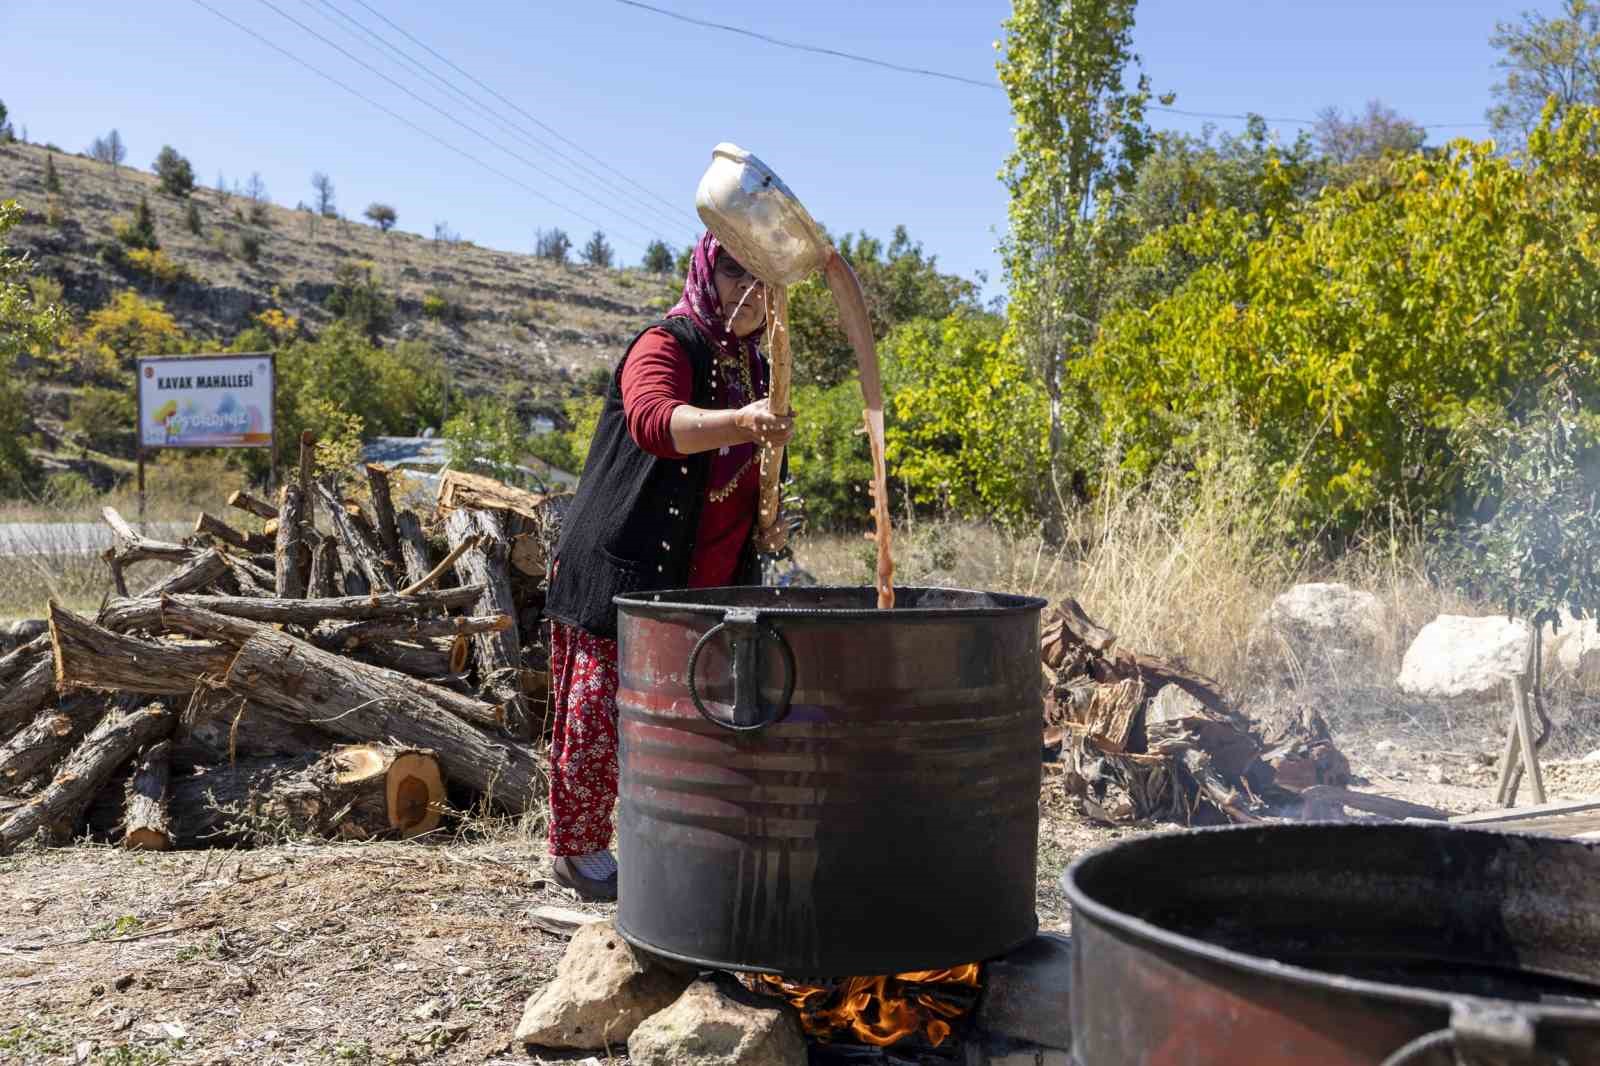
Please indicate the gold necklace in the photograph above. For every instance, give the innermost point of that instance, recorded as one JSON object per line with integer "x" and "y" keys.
{"x": 719, "y": 495}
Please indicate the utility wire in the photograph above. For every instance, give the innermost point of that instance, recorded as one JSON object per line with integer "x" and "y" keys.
{"x": 475, "y": 132}
{"x": 369, "y": 35}
{"x": 675, "y": 207}
{"x": 885, "y": 64}
{"x": 388, "y": 111}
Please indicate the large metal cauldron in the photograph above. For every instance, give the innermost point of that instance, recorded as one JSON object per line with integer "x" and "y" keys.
{"x": 1337, "y": 945}
{"x": 817, "y": 788}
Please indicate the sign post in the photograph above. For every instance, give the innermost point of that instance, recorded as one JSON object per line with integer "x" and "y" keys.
{"x": 206, "y": 401}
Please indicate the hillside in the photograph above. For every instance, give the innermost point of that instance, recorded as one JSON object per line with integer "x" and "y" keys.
{"x": 516, "y": 320}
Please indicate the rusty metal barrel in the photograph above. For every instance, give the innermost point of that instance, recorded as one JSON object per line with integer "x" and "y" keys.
{"x": 1342, "y": 945}
{"x": 812, "y": 787}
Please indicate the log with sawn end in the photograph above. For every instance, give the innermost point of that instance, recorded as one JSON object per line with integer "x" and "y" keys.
{"x": 56, "y": 810}
{"x": 358, "y": 546}
{"x": 251, "y": 505}
{"x": 144, "y": 821}
{"x": 21, "y": 698}
{"x": 133, "y": 547}
{"x": 196, "y": 575}
{"x": 209, "y": 525}
{"x": 125, "y": 614}
{"x": 487, "y": 563}
{"x": 90, "y": 656}
{"x": 426, "y": 660}
{"x": 292, "y": 556}
{"x": 46, "y": 740}
{"x": 459, "y": 490}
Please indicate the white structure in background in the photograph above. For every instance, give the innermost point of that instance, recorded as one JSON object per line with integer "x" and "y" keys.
{"x": 423, "y": 458}
{"x": 1456, "y": 656}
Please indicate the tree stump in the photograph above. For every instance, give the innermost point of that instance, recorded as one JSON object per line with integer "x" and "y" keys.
{"x": 144, "y": 819}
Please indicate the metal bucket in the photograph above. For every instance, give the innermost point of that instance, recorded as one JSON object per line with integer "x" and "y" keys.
{"x": 1336, "y": 944}
{"x": 816, "y": 788}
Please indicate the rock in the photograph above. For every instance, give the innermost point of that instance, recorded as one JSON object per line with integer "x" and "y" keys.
{"x": 1024, "y": 993}
{"x": 1456, "y": 656}
{"x": 1591, "y": 758}
{"x": 1437, "y": 776}
{"x": 1573, "y": 651}
{"x": 717, "y": 1023}
{"x": 1385, "y": 747}
{"x": 1322, "y": 620}
{"x": 602, "y": 990}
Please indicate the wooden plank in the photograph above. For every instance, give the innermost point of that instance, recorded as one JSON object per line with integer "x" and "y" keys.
{"x": 1526, "y": 738}
{"x": 1518, "y": 814}
{"x": 562, "y": 921}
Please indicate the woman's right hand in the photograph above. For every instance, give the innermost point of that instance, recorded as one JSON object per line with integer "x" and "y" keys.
{"x": 761, "y": 426}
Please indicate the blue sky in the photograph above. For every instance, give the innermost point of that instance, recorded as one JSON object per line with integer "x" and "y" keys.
{"x": 648, "y": 96}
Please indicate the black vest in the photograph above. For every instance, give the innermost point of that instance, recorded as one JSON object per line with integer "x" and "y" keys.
{"x": 631, "y": 526}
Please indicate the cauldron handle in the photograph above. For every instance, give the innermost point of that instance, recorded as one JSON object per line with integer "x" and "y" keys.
{"x": 747, "y": 630}
{"x": 1478, "y": 1034}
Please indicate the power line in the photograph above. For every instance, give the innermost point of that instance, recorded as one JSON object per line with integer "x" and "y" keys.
{"x": 451, "y": 118}
{"x": 388, "y": 111}
{"x": 515, "y": 107}
{"x": 963, "y": 79}
{"x": 368, "y": 35}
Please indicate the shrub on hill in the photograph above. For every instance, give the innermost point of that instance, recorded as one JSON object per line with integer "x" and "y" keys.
{"x": 175, "y": 174}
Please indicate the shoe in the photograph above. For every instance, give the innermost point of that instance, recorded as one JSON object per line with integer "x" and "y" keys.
{"x": 587, "y": 888}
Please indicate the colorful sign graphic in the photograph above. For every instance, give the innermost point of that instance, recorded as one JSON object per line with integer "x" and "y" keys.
{"x": 206, "y": 401}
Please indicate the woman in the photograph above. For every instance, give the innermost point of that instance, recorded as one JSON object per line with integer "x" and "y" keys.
{"x": 668, "y": 499}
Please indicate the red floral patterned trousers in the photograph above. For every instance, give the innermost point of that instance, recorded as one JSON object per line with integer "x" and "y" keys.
{"x": 583, "y": 751}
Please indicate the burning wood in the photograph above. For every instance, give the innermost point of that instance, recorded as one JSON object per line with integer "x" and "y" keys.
{"x": 882, "y": 1010}
{"x": 342, "y": 714}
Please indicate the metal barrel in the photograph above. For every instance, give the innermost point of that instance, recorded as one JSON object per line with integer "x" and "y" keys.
{"x": 813, "y": 787}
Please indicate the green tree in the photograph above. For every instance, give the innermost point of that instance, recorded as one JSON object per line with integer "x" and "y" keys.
{"x": 657, "y": 257}
{"x": 52, "y": 180}
{"x": 1080, "y": 137}
{"x": 382, "y": 215}
{"x": 485, "y": 436}
{"x": 5, "y": 127}
{"x": 26, "y": 327}
{"x": 174, "y": 171}
{"x": 553, "y": 245}
{"x": 1544, "y": 58}
{"x": 900, "y": 282}
{"x": 191, "y": 218}
{"x": 140, "y": 230}
{"x": 359, "y": 299}
{"x": 597, "y": 252}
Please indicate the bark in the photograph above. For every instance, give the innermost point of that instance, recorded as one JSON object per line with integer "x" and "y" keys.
{"x": 90, "y": 656}
{"x": 355, "y": 792}
{"x": 458, "y": 490}
{"x": 308, "y": 456}
{"x": 358, "y": 546}
{"x": 124, "y": 614}
{"x": 324, "y": 565}
{"x": 21, "y": 698}
{"x": 21, "y": 657}
{"x": 46, "y": 740}
{"x": 220, "y": 727}
{"x": 428, "y": 661}
{"x": 347, "y": 637}
{"x": 292, "y": 558}
{"x": 486, "y": 563}
{"x": 144, "y": 820}
{"x": 251, "y": 505}
{"x": 413, "y": 547}
{"x": 57, "y": 809}
{"x": 132, "y": 547}
{"x": 383, "y": 518}
{"x": 312, "y": 680}
{"x": 209, "y": 525}
{"x": 200, "y": 572}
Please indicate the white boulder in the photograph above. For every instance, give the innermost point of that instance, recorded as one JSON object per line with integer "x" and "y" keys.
{"x": 1457, "y": 656}
{"x": 1574, "y": 650}
{"x": 1326, "y": 619}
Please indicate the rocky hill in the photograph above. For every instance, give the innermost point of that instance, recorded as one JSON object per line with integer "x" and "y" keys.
{"x": 508, "y": 318}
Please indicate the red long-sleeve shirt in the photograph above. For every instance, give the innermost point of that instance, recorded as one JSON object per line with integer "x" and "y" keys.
{"x": 656, "y": 379}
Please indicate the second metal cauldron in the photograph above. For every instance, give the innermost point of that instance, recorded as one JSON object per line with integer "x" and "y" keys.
{"x": 813, "y": 787}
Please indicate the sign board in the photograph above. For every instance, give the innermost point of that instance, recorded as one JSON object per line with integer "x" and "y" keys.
{"x": 206, "y": 401}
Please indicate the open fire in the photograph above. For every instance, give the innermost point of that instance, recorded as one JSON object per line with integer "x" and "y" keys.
{"x": 881, "y": 1010}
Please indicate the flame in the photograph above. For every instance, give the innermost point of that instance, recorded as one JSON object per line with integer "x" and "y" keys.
{"x": 878, "y": 1010}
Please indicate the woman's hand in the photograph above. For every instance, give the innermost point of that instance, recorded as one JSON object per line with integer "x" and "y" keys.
{"x": 761, "y": 426}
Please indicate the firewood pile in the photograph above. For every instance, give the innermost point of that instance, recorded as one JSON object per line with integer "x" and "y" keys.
{"x": 1142, "y": 739}
{"x": 316, "y": 667}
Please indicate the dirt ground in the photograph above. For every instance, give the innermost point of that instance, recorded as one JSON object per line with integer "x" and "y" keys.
{"x": 414, "y": 953}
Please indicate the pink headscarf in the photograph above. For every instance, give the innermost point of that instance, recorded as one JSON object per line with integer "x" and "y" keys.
{"x": 701, "y": 304}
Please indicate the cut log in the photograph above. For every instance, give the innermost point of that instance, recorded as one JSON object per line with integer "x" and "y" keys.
{"x": 393, "y": 691}
{"x": 21, "y": 698}
{"x": 486, "y": 563}
{"x": 90, "y": 656}
{"x": 46, "y": 740}
{"x": 458, "y": 490}
{"x": 324, "y": 565}
{"x": 413, "y": 547}
{"x": 346, "y": 637}
{"x": 357, "y": 792}
{"x": 56, "y": 810}
{"x": 22, "y": 656}
{"x": 144, "y": 820}
{"x": 220, "y": 727}
{"x": 428, "y": 661}
{"x": 132, "y": 547}
{"x": 527, "y": 554}
{"x": 292, "y": 558}
{"x": 199, "y": 573}
{"x": 358, "y": 547}
{"x": 308, "y": 462}
{"x": 122, "y": 615}
{"x": 384, "y": 519}
{"x": 249, "y": 504}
